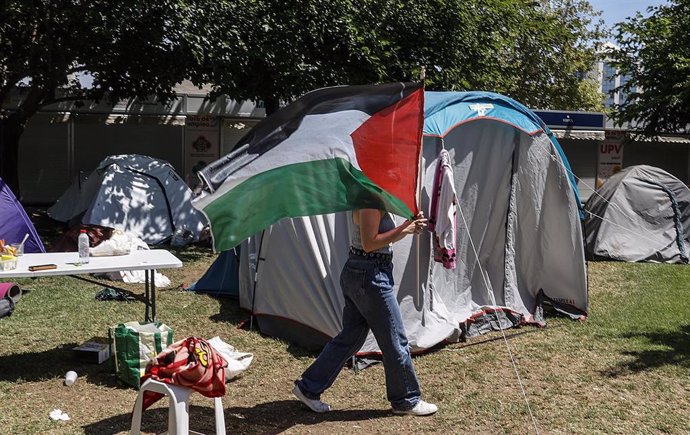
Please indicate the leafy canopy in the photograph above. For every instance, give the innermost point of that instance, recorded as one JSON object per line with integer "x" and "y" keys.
{"x": 131, "y": 48}
{"x": 537, "y": 52}
{"x": 655, "y": 53}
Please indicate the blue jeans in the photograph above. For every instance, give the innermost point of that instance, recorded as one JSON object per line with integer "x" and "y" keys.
{"x": 369, "y": 303}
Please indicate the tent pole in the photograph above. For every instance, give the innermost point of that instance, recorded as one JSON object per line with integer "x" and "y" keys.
{"x": 256, "y": 279}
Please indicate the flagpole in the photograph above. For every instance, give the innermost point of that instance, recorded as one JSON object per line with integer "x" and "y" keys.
{"x": 419, "y": 235}
{"x": 422, "y": 77}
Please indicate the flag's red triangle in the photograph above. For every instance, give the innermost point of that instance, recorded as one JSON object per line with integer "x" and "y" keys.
{"x": 388, "y": 146}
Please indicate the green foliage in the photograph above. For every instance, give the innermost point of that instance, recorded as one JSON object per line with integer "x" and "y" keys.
{"x": 655, "y": 53}
{"x": 131, "y": 48}
{"x": 538, "y": 53}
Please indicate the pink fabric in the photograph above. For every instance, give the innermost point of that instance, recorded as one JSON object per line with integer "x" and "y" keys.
{"x": 10, "y": 289}
{"x": 442, "y": 218}
{"x": 191, "y": 363}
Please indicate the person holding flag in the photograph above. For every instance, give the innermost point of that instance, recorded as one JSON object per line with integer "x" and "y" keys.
{"x": 334, "y": 149}
{"x": 370, "y": 303}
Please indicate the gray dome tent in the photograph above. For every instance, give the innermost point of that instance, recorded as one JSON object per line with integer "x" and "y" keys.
{"x": 639, "y": 214}
{"x": 519, "y": 207}
{"x": 135, "y": 193}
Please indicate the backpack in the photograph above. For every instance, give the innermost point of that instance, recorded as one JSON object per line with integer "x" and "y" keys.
{"x": 6, "y": 306}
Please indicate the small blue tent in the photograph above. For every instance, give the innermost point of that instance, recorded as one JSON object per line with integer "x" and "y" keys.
{"x": 15, "y": 224}
{"x": 221, "y": 279}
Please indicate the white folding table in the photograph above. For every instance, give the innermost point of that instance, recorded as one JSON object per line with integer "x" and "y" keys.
{"x": 68, "y": 264}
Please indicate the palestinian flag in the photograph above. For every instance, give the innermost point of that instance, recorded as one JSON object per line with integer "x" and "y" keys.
{"x": 334, "y": 149}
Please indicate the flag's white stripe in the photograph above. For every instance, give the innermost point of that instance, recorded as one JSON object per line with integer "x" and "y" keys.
{"x": 319, "y": 137}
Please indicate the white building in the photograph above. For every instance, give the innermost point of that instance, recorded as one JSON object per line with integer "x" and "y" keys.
{"x": 608, "y": 77}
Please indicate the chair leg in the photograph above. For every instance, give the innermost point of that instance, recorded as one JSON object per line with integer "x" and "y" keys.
{"x": 178, "y": 409}
{"x": 220, "y": 416}
{"x": 178, "y": 416}
{"x": 135, "y": 428}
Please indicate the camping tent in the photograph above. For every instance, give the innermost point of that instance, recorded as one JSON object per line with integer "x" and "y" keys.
{"x": 15, "y": 224}
{"x": 135, "y": 193}
{"x": 642, "y": 213}
{"x": 517, "y": 208}
{"x": 221, "y": 278}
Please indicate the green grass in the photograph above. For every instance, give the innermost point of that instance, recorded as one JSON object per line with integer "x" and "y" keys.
{"x": 625, "y": 370}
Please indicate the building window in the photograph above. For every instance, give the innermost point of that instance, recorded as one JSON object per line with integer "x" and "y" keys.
{"x": 622, "y": 95}
{"x": 608, "y": 84}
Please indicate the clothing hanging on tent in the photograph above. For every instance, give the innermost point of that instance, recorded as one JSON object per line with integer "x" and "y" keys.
{"x": 443, "y": 216}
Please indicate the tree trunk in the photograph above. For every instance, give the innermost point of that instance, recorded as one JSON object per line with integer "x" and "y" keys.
{"x": 11, "y": 129}
{"x": 271, "y": 104}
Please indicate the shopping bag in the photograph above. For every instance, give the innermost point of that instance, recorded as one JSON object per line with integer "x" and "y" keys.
{"x": 135, "y": 344}
{"x": 237, "y": 361}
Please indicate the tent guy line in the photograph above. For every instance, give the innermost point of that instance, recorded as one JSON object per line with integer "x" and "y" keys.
{"x": 503, "y": 334}
{"x": 651, "y": 241}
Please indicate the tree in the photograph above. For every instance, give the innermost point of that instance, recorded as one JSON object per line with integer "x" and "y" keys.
{"x": 130, "y": 48}
{"x": 537, "y": 52}
{"x": 654, "y": 53}
{"x": 285, "y": 49}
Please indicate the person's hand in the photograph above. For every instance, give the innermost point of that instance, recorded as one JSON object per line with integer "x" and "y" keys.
{"x": 416, "y": 225}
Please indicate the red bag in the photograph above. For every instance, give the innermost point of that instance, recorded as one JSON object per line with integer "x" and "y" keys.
{"x": 192, "y": 363}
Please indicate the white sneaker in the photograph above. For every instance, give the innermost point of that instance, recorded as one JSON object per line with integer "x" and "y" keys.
{"x": 314, "y": 405}
{"x": 420, "y": 409}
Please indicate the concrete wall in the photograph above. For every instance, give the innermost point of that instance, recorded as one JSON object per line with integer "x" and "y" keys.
{"x": 56, "y": 149}
{"x": 582, "y": 155}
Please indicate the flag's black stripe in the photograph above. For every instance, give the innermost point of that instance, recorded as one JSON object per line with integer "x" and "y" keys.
{"x": 279, "y": 126}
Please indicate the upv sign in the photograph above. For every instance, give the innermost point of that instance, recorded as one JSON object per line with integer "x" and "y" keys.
{"x": 610, "y": 158}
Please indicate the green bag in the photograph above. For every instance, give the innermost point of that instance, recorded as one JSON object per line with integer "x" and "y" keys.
{"x": 134, "y": 344}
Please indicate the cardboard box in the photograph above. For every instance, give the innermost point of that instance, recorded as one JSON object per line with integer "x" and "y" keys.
{"x": 93, "y": 351}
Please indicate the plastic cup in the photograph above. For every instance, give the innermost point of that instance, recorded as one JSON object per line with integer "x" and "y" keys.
{"x": 70, "y": 378}
{"x": 19, "y": 247}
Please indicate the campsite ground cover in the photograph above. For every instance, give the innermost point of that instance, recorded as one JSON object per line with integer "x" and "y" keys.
{"x": 623, "y": 371}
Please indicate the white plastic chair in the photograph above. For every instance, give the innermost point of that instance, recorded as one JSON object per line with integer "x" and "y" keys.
{"x": 178, "y": 409}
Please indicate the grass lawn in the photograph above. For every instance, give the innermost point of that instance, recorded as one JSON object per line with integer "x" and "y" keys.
{"x": 623, "y": 371}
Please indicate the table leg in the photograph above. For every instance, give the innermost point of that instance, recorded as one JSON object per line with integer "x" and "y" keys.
{"x": 147, "y": 318}
{"x": 153, "y": 294}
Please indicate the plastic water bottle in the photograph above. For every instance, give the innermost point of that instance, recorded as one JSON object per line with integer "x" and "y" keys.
{"x": 83, "y": 243}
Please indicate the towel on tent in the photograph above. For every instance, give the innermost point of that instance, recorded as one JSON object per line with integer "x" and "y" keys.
{"x": 442, "y": 220}
{"x": 191, "y": 363}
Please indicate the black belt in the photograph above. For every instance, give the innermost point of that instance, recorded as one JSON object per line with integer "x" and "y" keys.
{"x": 365, "y": 254}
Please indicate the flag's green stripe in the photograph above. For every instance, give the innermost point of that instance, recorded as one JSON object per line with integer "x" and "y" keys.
{"x": 302, "y": 189}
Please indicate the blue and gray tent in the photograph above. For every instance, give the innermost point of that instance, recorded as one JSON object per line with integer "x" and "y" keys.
{"x": 518, "y": 208}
